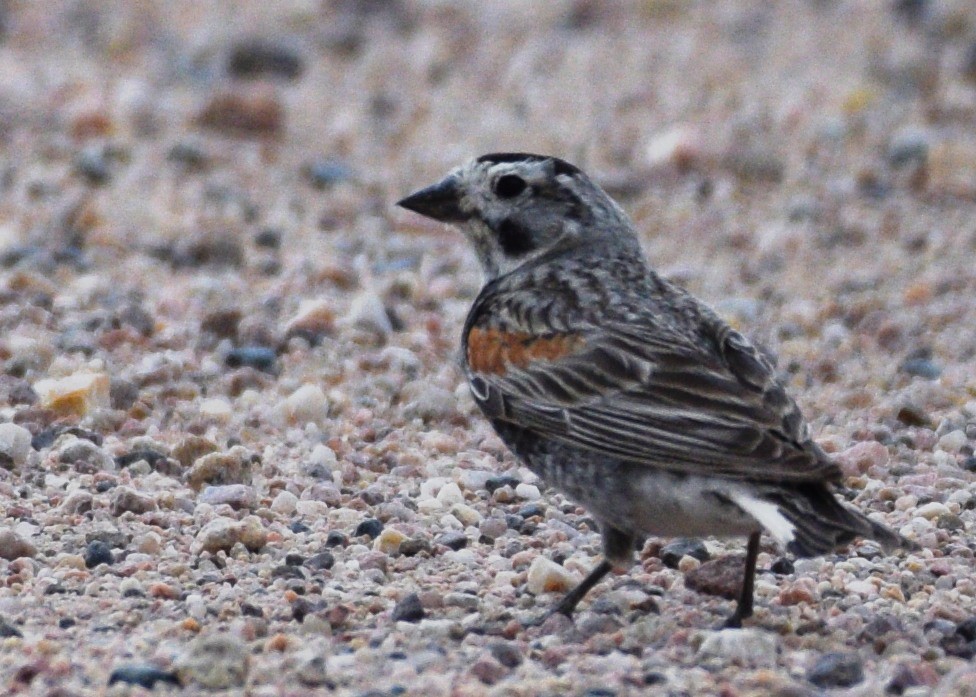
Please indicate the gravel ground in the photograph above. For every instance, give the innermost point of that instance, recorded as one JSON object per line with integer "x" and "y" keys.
{"x": 236, "y": 451}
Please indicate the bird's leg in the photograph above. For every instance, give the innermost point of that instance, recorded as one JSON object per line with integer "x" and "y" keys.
{"x": 571, "y": 600}
{"x": 744, "y": 607}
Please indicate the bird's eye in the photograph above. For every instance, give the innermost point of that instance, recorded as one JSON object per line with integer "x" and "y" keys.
{"x": 509, "y": 186}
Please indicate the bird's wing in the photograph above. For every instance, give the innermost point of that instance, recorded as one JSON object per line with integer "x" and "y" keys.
{"x": 705, "y": 404}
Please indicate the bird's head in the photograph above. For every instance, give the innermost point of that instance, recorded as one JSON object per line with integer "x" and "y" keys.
{"x": 514, "y": 207}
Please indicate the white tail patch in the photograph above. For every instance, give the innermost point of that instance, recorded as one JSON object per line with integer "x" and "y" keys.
{"x": 768, "y": 515}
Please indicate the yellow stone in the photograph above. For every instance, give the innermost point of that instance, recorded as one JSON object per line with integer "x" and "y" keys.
{"x": 76, "y": 394}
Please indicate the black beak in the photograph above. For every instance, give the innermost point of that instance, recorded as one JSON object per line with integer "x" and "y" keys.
{"x": 440, "y": 201}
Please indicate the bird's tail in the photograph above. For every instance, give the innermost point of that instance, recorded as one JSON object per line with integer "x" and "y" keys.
{"x": 821, "y": 523}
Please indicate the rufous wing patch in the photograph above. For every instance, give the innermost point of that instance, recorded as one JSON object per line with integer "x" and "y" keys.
{"x": 495, "y": 351}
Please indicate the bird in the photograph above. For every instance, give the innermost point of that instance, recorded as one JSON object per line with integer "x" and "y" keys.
{"x": 619, "y": 388}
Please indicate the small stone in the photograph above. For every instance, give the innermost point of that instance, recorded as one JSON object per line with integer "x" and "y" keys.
{"x": 367, "y": 312}
{"x": 307, "y": 404}
{"x": 414, "y": 546}
{"x": 77, "y": 502}
{"x": 466, "y": 514}
{"x": 672, "y": 552}
{"x": 78, "y": 394}
{"x": 311, "y": 668}
{"x": 913, "y": 415}
{"x": 743, "y": 647}
{"x": 258, "y": 357}
{"x": 335, "y": 538}
{"x": 92, "y": 163}
{"x": 214, "y": 662}
{"x": 142, "y": 675}
{"x": 125, "y": 499}
{"x": 218, "y": 534}
{"x": 453, "y": 540}
{"x": 257, "y": 57}
{"x": 191, "y": 448}
{"x": 861, "y": 457}
{"x": 13, "y": 546}
{"x": 506, "y": 652}
{"x": 314, "y": 320}
{"x": 931, "y": 510}
{"x": 389, "y": 541}
{"x": 237, "y": 496}
{"x": 326, "y": 173}
{"x": 284, "y": 503}
{"x": 80, "y": 450}
{"x": 721, "y": 577}
{"x": 546, "y": 576}
{"x": 909, "y": 145}
{"x": 408, "y": 609}
{"x": 953, "y": 441}
{"x": 15, "y": 444}
{"x": 97, "y": 552}
{"x": 529, "y": 492}
{"x": 222, "y": 323}
{"x": 532, "y": 510}
{"x": 450, "y": 494}
{"x": 246, "y": 112}
{"x": 920, "y": 367}
{"x": 488, "y": 670}
{"x": 430, "y": 403}
{"x": 493, "y": 483}
{"x": 836, "y": 669}
{"x": 320, "y": 562}
{"x": 253, "y": 534}
{"x": 216, "y": 409}
{"x": 782, "y": 566}
{"x": 231, "y": 467}
{"x": 370, "y": 526}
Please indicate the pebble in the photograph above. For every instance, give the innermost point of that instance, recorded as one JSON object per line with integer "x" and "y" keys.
{"x": 15, "y": 444}
{"x": 953, "y": 441}
{"x": 546, "y": 576}
{"x": 721, "y": 577}
{"x": 325, "y": 173}
{"x": 861, "y": 457}
{"x": 258, "y": 357}
{"x": 389, "y": 541}
{"x": 218, "y": 534}
{"x": 97, "y": 552}
{"x": 453, "y": 540}
{"x": 488, "y": 670}
{"x": 529, "y": 492}
{"x": 321, "y": 561}
{"x": 230, "y": 467}
{"x": 307, "y": 404}
{"x": 367, "y": 312}
{"x": 81, "y": 450}
{"x": 247, "y": 112}
{"x": 921, "y": 367}
{"x": 77, "y": 502}
{"x": 494, "y": 483}
{"x": 78, "y": 394}
{"x": 257, "y": 57}
{"x": 672, "y": 552}
{"x": 125, "y": 499}
{"x": 932, "y": 510}
{"x": 408, "y": 609}
{"x": 13, "y": 546}
{"x": 450, "y": 494}
{"x": 430, "y": 403}
{"x": 743, "y": 647}
{"x": 236, "y": 496}
{"x": 371, "y": 527}
{"x": 836, "y": 669}
{"x": 311, "y": 667}
{"x": 214, "y": 662}
{"x": 253, "y": 534}
{"x": 142, "y": 675}
{"x": 314, "y": 320}
{"x": 284, "y": 503}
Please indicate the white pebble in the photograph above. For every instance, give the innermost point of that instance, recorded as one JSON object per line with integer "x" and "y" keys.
{"x": 367, "y": 312}
{"x": 284, "y": 503}
{"x": 953, "y": 441}
{"x": 429, "y": 505}
{"x": 450, "y": 494}
{"x": 323, "y": 455}
{"x": 217, "y": 409}
{"x": 529, "y": 492}
{"x": 15, "y": 442}
{"x": 312, "y": 508}
{"x": 546, "y": 576}
{"x": 466, "y": 514}
{"x": 743, "y": 647}
{"x": 307, "y": 403}
{"x": 473, "y": 480}
{"x": 195, "y": 607}
{"x": 932, "y": 510}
